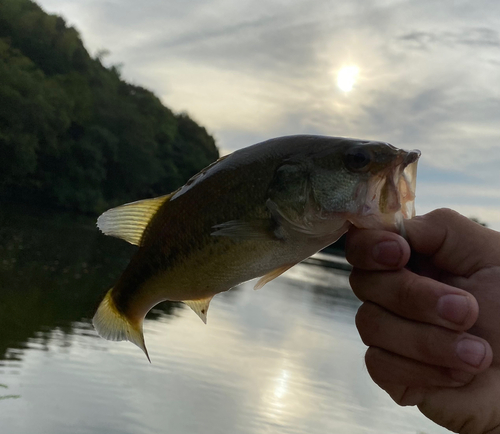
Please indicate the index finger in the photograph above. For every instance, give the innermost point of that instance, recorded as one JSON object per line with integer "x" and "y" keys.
{"x": 453, "y": 242}
{"x": 376, "y": 250}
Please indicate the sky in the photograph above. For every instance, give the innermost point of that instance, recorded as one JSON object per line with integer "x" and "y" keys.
{"x": 417, "y": 73}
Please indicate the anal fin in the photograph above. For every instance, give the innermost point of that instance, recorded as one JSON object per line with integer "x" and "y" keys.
{"x": 272, "y": 275}
{"x": 200, "y": 307}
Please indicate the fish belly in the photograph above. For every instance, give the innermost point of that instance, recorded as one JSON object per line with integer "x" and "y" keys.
{"x": 221, "y": 267}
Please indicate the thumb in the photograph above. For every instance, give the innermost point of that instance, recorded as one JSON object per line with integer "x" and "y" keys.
{"x": 454, "y": 243}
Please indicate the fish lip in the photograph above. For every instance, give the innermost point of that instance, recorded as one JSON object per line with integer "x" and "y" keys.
{"x": 411, "y": 157}
{"x": 386, "y": 162}
{"x": 399, "y": 165}
{"x": 404, "y": 158}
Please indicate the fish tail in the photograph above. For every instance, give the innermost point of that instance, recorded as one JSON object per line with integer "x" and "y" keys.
{"x": 113, "y": 325}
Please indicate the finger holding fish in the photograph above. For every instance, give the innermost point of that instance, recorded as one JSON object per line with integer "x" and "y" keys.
{"x": 415, "y": 326}
{"x": 416, "y": 297}
{"x": 390, "y": 370}
{"x": 425, "y": 343}
{"x": 376, "y": 250}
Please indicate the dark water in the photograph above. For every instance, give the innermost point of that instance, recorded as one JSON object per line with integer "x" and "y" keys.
{"x": 285, "y": 359}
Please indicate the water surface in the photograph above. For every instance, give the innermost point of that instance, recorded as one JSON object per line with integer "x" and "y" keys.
{"x": 284, "y": 359}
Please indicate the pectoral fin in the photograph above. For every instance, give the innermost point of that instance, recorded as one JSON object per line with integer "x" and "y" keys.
{"x": 130, "y": 220}
{"x": 272, "y": 275}
{"x": 259, "y": 229}
{"x": 200, "y": 307}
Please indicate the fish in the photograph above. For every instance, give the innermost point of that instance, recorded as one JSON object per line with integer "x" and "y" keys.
{"x": 256, "y": 212}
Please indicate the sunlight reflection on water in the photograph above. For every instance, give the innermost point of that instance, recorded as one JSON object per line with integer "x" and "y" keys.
{"x": 283, "y": 359}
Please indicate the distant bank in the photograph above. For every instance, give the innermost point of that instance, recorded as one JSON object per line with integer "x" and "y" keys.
{"x": 73, "y": 134}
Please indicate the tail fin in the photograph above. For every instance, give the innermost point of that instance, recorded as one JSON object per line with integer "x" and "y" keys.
{"x": 111, "y": 324}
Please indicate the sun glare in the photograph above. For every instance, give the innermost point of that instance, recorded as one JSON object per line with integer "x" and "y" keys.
{"x": 346, "y": 78}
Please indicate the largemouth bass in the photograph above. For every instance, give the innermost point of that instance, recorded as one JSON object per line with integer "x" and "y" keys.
{"x": 254, "y": 213}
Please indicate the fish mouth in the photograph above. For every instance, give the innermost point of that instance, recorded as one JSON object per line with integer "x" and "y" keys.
{"x": 390, "y": 194}
{"x": 408, "y": 185}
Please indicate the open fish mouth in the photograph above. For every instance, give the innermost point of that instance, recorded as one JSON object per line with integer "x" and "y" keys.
{"x": 407, "y": 186}
{"x": 390, "y": 195}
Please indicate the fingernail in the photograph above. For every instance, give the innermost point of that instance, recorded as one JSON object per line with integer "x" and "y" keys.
{"x": 454, "y": 308}
{"x": 387, "y": 253}
{"x": 471, "y": 352}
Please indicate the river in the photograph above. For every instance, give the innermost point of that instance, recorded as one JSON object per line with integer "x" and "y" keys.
{"x": 284, "y": 359}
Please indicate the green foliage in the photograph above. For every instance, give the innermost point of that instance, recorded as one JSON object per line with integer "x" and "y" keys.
{"x": 479, "y": 222}
{"x": 72, "y": 133}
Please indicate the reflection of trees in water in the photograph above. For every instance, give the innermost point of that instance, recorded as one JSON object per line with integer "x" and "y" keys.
{"x": 2, "y": 397}
{"x": 54, "y": 269}
{"x": 334, "y": 296}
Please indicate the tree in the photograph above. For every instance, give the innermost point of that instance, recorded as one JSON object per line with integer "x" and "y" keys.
{"x": 72, "y": 132}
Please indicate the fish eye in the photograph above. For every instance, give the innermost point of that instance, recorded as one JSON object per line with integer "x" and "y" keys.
{"x": 357, "y": 159}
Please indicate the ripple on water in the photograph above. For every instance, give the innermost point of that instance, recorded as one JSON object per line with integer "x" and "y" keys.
{"x": 286, "y": 359}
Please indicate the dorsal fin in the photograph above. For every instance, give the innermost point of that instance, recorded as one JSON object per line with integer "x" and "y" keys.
{"x": 130, "y": 220}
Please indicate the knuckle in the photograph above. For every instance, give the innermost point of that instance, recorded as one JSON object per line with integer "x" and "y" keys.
{"x": 367, "y": 322}
{"x": 404, "y": 397}
{"x": 431, "y": 344}
{"x": 407, "y": 291}
{"x": 398, "y": 397}
{"x": 355, "y": 255}
{"x": 375, "y": 366}
{"x": 426, "y": 345}
{"x": 444, "y": 215}
{"x": 354, "y": 278}
{"x": 372, "y": 359}
{"x": 357, "y": 280}
{"x": 351, "y": 246}
{"x": 350, "y": 249}
{"x": 354, "y": 242}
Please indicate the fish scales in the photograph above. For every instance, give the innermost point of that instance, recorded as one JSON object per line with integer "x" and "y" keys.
{"x": 174, "y": 236}
{"x": 253, "y": 213}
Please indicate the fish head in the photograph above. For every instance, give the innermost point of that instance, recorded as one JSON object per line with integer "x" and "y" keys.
{"x": 372, "y": 184}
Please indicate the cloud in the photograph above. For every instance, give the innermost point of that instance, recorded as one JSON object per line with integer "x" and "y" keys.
{"x": 474, "y": 37}
{"x": 252, "y": 70}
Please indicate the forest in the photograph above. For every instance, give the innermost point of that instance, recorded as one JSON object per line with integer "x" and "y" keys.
{"x": 73, "y": 133}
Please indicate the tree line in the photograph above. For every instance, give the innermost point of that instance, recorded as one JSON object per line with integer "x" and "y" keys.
{"x": 73, "y": 134}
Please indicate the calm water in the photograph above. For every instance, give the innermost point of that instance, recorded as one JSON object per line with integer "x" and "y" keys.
{"x": 285, "y": 359}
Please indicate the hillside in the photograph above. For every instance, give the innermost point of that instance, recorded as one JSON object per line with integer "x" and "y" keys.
{"x": 73, "y": 134}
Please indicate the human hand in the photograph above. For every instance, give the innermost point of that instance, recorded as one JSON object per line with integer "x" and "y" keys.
{"x": 433, "y": 328}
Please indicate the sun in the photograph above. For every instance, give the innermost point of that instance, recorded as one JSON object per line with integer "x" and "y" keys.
{"x": 346, "y": 78}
